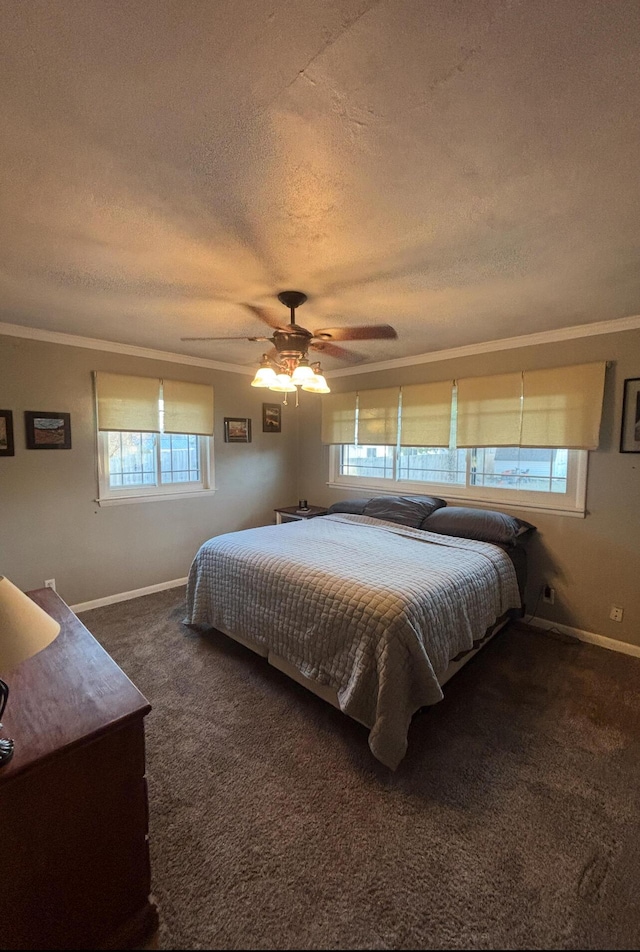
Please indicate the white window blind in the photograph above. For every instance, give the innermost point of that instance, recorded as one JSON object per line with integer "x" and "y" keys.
{"x": 188, "y": 407}
{"x": 425, "y": 418}
{"x": 132, "y": 404}
{"x": 562, "y": 406}
{"x": 378, "y": 416}
{"x": 559, "y": 407}
{"x": 339, "y": 417}
{"x": 128, "y": 403}
{"x": 489, "y": 410}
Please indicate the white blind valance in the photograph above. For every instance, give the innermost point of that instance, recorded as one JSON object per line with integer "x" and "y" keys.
{"x": 489, "y": 410}
{"x": 562, "y": 406}
{"x": 128, "y": 403}
{"x": 339, "y": 418}
{"x": 378, "y": 416}
{"x": 132, "y": 403}
{"x": 188, "y": 407}
{"x": 425, "y": 417}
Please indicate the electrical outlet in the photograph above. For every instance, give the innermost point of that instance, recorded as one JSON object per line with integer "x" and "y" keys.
{"x": 50, "y": 583}
{"x": 616, "y": 613}
{"x": 548, "y": 594}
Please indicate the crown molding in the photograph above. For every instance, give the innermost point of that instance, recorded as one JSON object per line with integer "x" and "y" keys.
{"x": 468, "y": 350}
{"x": 93, "y": 343}
{"x": 508, "y": 343}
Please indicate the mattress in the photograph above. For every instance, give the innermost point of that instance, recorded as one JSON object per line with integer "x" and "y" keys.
{"x": 369, "y": 610}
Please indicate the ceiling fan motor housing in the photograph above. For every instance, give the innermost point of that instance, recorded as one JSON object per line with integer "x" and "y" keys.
{"x": 294, "y": 342}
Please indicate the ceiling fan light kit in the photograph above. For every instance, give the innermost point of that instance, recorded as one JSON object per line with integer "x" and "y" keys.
{"x": 289, "y": 368}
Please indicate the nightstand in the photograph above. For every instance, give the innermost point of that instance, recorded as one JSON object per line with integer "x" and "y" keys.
{"x": 293, "y": 514}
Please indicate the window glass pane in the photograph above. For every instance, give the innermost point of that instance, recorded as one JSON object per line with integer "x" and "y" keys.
{"x": 145, "y": 461}
{"x": 513, "y": 467}
{"x": 432, "y": 464}
{"x": 180, "y": 458}
{"x": 132, "y": 459}
{"x": 114, "y": 450}
{"x": 500, "y": 472}
{"x": 367, "y": 461}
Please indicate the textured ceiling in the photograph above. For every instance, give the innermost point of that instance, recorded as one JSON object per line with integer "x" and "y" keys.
{"x": 464, "y": 170}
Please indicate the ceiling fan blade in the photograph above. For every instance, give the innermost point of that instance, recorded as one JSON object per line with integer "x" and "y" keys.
{"x": 225, "y": 338}
{"x": 341, "y": 353}
{"x": 263, "y": 315}
{"x": 364, "y": 332}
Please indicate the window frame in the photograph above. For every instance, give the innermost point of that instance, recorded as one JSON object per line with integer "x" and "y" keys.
{"x": 571, "y": 503}
{"x": 114, "y": 496}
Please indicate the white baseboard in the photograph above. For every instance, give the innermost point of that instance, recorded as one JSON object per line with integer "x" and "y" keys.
{"x": 125, "y": 596}
{"x": 589, "y": 636}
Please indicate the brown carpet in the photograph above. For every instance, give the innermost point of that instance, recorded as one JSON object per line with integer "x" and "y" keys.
{"x": 513, "y": 822}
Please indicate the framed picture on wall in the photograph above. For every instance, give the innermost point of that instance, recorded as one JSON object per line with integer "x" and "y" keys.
{"x": 271, "y": 418}
{"x": 237, "y": 430}
{"x": 6, "y": 433}
{"x": 47, "y": 430}
{"x": 630, "y": 430}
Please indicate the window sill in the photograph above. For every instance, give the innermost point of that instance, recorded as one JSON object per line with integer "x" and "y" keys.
{"x": 455, "y": 500}
{"x": 153, "y": 497}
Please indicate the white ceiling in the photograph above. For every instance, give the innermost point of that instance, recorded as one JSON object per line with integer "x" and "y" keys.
{"x": 465, "y": 170}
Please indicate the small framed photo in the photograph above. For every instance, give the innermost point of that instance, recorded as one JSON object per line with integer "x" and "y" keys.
{"x": 6, "y": 433}
{"x": 237, "y": 430}
{"x": 47, "y": 431}
{"x": 630, "y": 430}
{"x": 271, "y": 418}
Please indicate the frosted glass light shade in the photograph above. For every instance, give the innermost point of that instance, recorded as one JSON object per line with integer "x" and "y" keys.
{"x": 301, "y": 374}
{"x": 282, "y": 384}
{"x": 265, "y": 377}
{"x": 317, "y": 385}
{"x": 25, "y": 629}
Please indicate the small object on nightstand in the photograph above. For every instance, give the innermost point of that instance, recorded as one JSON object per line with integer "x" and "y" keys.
{"x": 302, "y": 505}
{"x": 295, "y": 513}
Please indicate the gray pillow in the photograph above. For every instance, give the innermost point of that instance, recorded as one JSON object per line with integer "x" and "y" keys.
{"x": 354, "y": 506}
{"x": 485, "y": 525}
{"x": 405, "y": 510}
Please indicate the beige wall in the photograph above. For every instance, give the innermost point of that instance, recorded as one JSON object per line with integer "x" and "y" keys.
{"x": 50, "y": 525}
{"x": 593, "y": 562}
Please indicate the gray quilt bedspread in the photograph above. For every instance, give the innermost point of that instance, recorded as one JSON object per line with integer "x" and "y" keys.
{"x": 371, "y": 608}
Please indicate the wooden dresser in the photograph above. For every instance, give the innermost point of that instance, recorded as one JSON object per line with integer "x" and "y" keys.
{"x": 74, "y": 852}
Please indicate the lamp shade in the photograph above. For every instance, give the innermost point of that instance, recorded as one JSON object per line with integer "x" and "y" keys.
{"x": 316, "y": 384}
{"x": 302, "y": 373}
{"x": 264, "y": 377}
{"x": 282, "y": 384}
{"x": 25, "y": 629}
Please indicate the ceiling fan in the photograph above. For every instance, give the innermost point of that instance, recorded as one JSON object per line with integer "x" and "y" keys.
{"x": 292, "y": 343}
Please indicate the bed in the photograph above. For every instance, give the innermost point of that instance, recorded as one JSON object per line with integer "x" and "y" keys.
{"x": 372, "y": 606}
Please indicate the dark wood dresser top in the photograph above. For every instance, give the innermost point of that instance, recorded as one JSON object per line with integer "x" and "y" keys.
{"x": 68, "y": 694}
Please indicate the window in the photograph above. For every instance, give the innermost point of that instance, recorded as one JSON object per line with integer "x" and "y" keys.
{"x": 148, "y": 459}
{"x": 135, "y": 465}
{"x": 436, "y": 437}
{"x": 550, "y": 479}
{"x": 149, "y": 463}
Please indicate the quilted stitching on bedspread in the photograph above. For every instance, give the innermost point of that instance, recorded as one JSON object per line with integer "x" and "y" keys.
{"x": 371, "y": 608}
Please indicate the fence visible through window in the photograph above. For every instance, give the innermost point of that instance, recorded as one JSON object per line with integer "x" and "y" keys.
{"x": 511, "y": 468}
{"x": 137, "y": 459}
